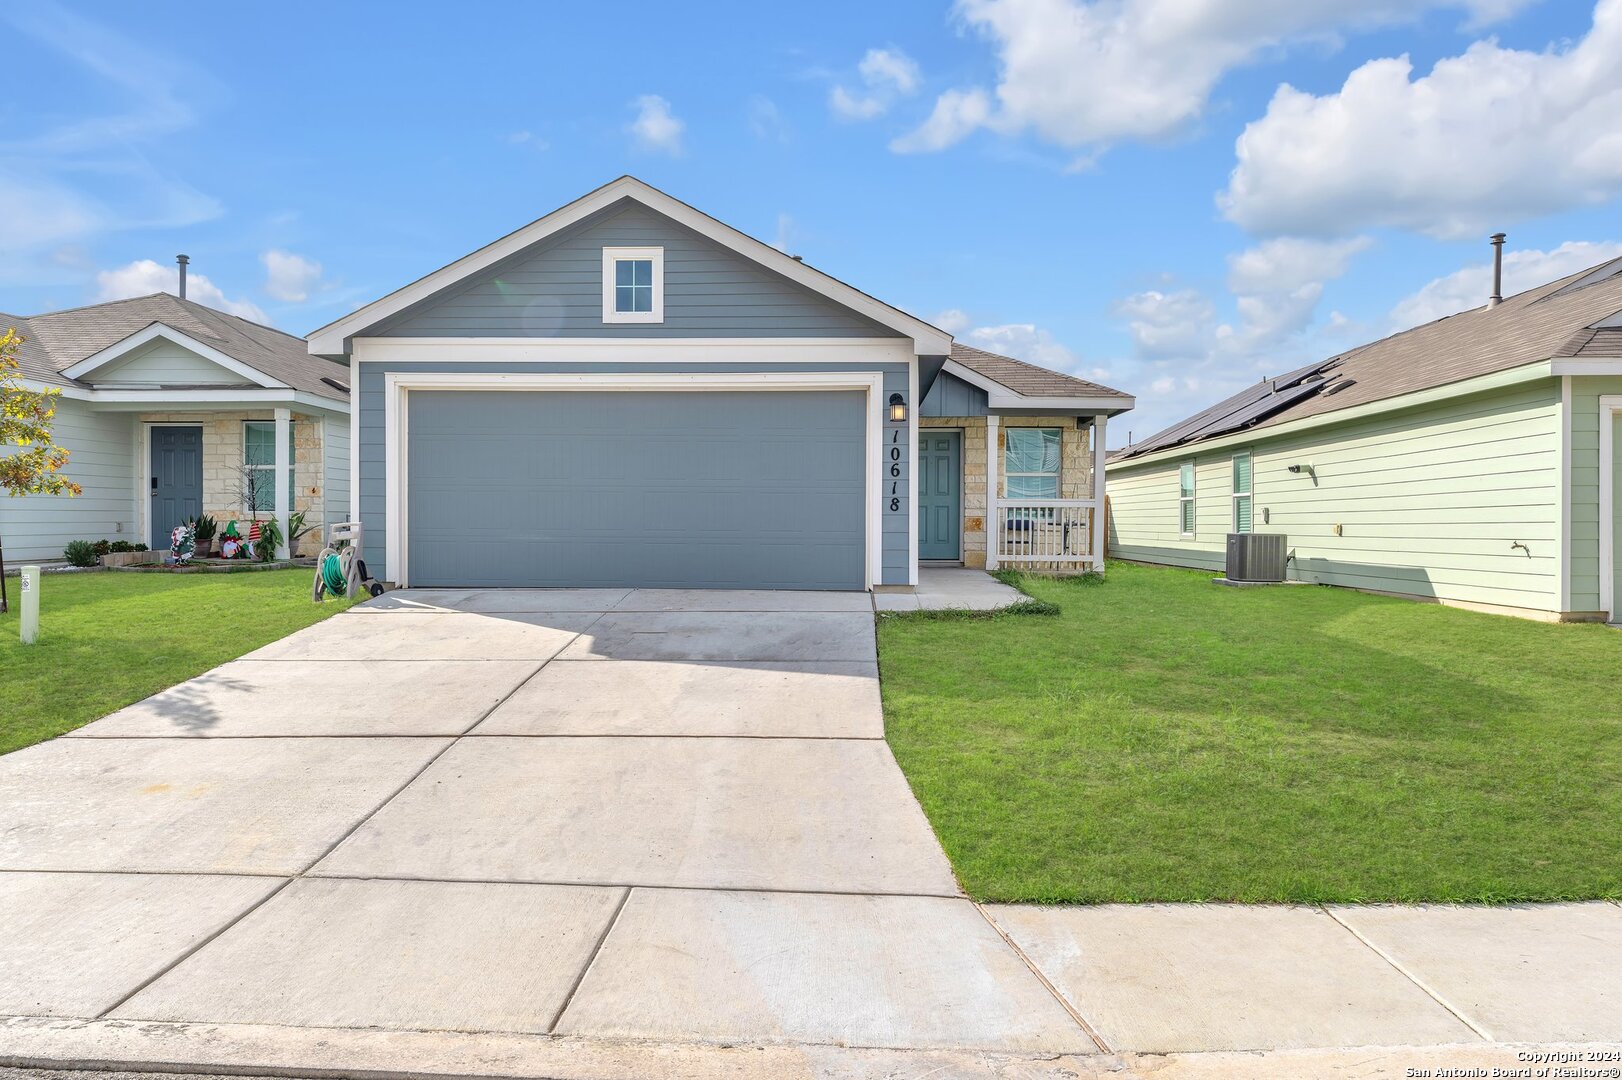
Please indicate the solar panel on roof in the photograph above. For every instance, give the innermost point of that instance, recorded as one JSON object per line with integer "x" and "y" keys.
{"x": 1249, "y": 406}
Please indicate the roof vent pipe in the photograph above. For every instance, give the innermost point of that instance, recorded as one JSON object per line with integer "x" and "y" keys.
{"x": 1497, "y": 296}
{"x": 183, "y": 260}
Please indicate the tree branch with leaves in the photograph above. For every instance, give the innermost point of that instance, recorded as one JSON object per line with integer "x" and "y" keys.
{"x": 30, "y": 463}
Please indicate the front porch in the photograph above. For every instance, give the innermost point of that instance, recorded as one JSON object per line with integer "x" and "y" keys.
{"x": 241, "y": 465}
{"x": 1011, "y": 466}
{"x": 999, "y": 528}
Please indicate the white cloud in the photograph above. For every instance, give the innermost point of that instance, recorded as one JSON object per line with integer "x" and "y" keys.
{"x": 956, "y": 114}
{"x": 656, "y": 127}
{"x": 1486, "y": 138}
{"x": 1165, "y": 325}
{"x": 1086, "y": 72}
{"x": 887, "y": 74}
{"x": 952, "y": 320}
{"x": 1470, "y": 286}
{"x": 288, "y": 276}
{"x": 785, "y": 233}
{"x": 1277, "y": 285}
{"x": 144, "y": 277}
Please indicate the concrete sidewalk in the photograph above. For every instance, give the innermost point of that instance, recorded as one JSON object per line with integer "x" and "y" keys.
{"x": 613, "y": 832}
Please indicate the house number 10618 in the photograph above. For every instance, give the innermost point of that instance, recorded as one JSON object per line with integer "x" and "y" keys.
{"x": 895, "y": 468}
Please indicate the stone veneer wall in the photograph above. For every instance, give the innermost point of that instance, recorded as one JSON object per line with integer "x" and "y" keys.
{"x": 1075, "y": 468}
{"x": 222, "y": 464}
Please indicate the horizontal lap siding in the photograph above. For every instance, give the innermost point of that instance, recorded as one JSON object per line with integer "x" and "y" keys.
{"x": 336, "y": 450}
{"x": 1430, "y": 501}
{"x": 163, "y": 363}
{"x": 893, "y": 524}
{"x": 555, "y": 289}
{"x": 101, "y": 459}
{"x": 1586, "y": 391}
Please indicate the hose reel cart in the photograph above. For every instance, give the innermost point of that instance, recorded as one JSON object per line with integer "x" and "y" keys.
{"x": 340, "y": 570}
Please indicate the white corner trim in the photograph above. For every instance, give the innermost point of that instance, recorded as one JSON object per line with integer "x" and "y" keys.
{"x": 1564, "y": 598}
{"x": 999, "y": 396}
{"x": 639, "y": 350}
{"x": 654, "y": 255}
{"x": 330, "y": 340}
{"x": 912, "y": 480}
{"x": 1610, "y": 406}
{"x": 119, "y": 349}
{"x": 397, "y": 386}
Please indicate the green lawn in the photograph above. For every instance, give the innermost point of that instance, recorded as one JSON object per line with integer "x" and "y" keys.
{"x": 1163, "y": 738}
{"x": 109, "y": 639}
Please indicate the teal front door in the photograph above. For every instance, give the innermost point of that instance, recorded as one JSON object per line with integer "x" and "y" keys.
{"x": 940, "y": 494}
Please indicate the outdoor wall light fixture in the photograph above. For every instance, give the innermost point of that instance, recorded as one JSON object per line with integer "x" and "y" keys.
{"x": 1308, "y": 469}
{"x": 898, "y": 408}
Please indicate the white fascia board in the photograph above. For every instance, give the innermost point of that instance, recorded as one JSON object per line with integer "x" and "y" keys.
{"x": 1481, "y": 384}
{"x": 999, "y": 396}
{"x": 1576, "y": 365}
{"x": 330, "y": 340}
{"x": 119, "y": 349}
{"x": 36, "y": 386}
{"x": 639, "y": 350}
{"x": 203, "y": 400}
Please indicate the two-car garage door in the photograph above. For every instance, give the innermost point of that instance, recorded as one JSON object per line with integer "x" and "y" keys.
{"x": 699, "y": 489}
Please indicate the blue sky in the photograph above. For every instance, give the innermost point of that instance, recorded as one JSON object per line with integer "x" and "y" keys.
{"x": 1175, "y": 197}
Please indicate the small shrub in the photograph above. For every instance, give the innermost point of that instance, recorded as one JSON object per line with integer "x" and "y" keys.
{"x": 80, "y": 553}
{"x": 119, "y": 547}
{"x": 101, "y": 547}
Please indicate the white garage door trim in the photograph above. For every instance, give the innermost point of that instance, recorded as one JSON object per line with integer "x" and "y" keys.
{"x": 397, "y": 384}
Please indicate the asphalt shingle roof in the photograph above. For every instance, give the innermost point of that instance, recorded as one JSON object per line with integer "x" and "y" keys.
{"x": 1561, "y": 318}
{"x": 57, "y": 340}
{"x": 1028, "y": 379}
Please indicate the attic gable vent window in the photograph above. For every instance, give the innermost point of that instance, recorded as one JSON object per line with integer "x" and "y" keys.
{"x": 633, "y": 285}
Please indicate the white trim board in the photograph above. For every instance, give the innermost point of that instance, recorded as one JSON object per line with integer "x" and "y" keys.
{"x": 1610, "y": 407}
{"x": 331, "y": 340}
{"x": 654, "y": 255}
{"x": 397, "y": 386}
{"x": 119, "y": 349}
{"x": 661, "y": 350}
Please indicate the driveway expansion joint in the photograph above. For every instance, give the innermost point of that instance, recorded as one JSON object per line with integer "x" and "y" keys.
{"x": 1429, "y": 991}
{"x": 1064, "y": 1002}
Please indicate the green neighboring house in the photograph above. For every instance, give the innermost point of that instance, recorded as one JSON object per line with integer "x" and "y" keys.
{"x": 1475, "y": 461}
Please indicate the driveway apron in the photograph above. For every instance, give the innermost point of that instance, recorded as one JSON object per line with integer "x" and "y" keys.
{"x": 663, "y": 814}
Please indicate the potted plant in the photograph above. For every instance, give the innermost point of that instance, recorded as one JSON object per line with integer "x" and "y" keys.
{"x": 297, "y": 530}
{"x": 207, "y": 527}
{"x": 270, "y": 537}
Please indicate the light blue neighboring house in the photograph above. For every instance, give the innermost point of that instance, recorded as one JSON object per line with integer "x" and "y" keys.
{"x": 169, "y": 409}
{"x": 628, "y": 392}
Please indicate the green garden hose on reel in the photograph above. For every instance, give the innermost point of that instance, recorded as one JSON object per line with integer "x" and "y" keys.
{"x": 339, "y": 569}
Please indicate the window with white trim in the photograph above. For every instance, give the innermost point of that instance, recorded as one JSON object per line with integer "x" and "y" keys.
{"x": 1242, "y": 469}
{"x": 1185, "y": 499}
{"x": 259, "y": 466}
{"x": 633, "y": 285}
{"x": 1030, "y": 462}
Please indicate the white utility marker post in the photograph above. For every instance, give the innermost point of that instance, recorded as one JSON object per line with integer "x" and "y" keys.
{"x": 993, "y": 512}
{"x": 284, "y": 472}
{"x": 1100, "y": 524}
{"x": 30, "y": 613}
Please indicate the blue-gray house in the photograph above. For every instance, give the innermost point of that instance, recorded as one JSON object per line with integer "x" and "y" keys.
{"x": 629, "y": 392}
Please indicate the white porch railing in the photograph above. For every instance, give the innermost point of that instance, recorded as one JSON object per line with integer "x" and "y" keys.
{"x": 1044, "y": 534}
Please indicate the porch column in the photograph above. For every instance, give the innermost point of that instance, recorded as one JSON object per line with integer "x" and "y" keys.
{"x": 284, "y": 472}
{"x": 1100, "y": 522}
{"x": 993, "y": 512}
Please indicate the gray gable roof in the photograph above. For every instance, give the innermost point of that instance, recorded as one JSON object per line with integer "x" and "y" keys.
{"x": 1028, "y": 380}
{"x": 57, "y": 340}
{"x": 1544, "y": 323}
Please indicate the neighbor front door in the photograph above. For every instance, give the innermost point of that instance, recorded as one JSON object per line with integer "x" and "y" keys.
{"x": 176, "y": 484}
{"x": 940, "y": 494}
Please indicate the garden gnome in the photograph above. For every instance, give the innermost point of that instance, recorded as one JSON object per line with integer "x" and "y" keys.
{"x": 231, "y": 541}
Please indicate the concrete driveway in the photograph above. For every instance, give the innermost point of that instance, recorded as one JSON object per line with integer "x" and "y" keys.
{"x": 646, "y": 814}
